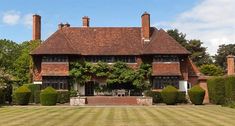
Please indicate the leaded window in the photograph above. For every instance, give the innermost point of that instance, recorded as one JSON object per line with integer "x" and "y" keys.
{"x": 54, "y": 59}
{"x": 58, "y": 83}
{"x": 162, "y": 81}
{"x": 166, "y": 58}
{"x": 110, "y": 59}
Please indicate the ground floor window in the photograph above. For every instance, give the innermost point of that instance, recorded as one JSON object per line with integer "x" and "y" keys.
{"x": 59, "y": 83}
{"x": 160, "y": 82}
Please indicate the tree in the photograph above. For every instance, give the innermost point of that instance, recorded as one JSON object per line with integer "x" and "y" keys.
{"x": 23, "y": 62}
{"x": 222, "y": 52}
{"x": 199, "y": 55}
{"x": 9, "y": 51}
{"x": 211, "y": 70}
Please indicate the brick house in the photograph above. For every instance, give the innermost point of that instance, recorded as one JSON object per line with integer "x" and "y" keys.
{"x": 132, "y": 45}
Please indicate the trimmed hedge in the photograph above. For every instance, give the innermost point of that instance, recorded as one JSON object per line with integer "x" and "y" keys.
{"x": 230, "y": 88}
{"x": 196, "y": 95}
{"x": 34, "y": 88}
{"x": 181, "y": 97}
{"x": 63, "y": 96}
{"x": 22, "y": 95}
{"x": 73, "y": 93}
{"x": 156, "y": 95}
{"x": 169, "y": 95}
{"x": 216, "y": 90}
{"x": 48, "y": 96}
{"x": 2, "y": 96}
{"x": 37, "y": 97}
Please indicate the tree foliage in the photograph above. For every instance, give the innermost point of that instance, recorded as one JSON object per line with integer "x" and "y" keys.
{"x": 15, "y": 60}
{"x": 211, "y": 70}
{"x": 199, "y": 55}
{"x": 222, "y": 52}
{"x": 116, "y": 74}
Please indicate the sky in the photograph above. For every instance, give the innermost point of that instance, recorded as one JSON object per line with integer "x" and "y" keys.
{"x": 211, "y": 21}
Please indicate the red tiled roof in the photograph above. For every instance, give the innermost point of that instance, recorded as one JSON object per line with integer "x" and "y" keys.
{"x": 163, "y": 43}
{"x": 108, "y": 41}
{"x": 192, "y": 69}
{"x": 166, "y": 69}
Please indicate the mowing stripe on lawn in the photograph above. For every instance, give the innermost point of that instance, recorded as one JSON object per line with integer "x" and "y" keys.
{"x": 110, "y": 116}
{"x": 185, "y": 118}
{"x": 202, "y": 119}
{"x": 75, "y": 117}
{"x": 212, "y": 117}
{"x": 94, "y": 117}
{"x": 19, "y": 115}
{"x": 139, "y": 116}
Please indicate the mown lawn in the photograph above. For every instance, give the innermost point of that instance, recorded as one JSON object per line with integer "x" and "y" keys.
{"x": 118, "y": 116}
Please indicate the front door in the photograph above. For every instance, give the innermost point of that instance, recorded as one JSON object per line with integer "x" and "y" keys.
{"x": 89, "y": 88}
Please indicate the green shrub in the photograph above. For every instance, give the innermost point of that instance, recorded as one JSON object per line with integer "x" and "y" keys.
{"x": 34, "y": 88}
{"x": 37, "y": 97}
{"x": 48, "y": 96}
{"x": 196, "y": 95}
{"x": 216, "y": 90}
{"x": 2, "y": 96}
{"x": 63, "y": 96}
{"x": 73, "y": 93}
{"x": 22, "y": 95}
{"x": 169, "y": 95}
{"x": 156, "y": 95}
{"x": 230, "y": 88}
{"x": 181, "y": 97}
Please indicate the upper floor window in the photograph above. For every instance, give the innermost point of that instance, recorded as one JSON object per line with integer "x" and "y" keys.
{"x": 111, "y": 59}
{"x": 54, "y": 59}
{"x": 166, "y": 58}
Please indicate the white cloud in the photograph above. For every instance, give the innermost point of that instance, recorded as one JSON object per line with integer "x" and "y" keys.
{"x": 15, "y": 17}
{"x": 212, "y": 21}
{"x": 11, "y": 17}
{"x": 27, "y": 20}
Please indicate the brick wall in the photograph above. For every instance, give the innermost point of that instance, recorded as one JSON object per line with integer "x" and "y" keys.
{"x": 55, "y": 69}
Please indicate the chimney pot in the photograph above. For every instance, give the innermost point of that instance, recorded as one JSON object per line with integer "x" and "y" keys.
{"x": 66, "y": 25}
{"x": 86, "y": 21}
{"x": 145, "y": 26}
{"x": 60, "y": 26}
{"x": 36, "y": 27}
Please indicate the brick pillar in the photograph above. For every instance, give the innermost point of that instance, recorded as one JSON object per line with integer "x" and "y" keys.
{"x": 36, "y": 27}
{"x": 230, "y": 65}
{"x": 145, "y": 26}
{"x": 86, "y": 21}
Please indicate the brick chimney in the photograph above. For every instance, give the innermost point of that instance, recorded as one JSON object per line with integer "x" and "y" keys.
{"x": 36, "y": 27}
{"x": 145, "y": 26}
{"x": 230, "y": 64}
{"x": 85, "y": 21}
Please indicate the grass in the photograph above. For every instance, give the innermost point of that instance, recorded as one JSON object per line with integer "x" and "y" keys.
{"x": 118, "y": 116}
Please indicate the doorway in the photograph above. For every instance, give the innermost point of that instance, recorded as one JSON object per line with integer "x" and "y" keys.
{"x": 89, "y": 88}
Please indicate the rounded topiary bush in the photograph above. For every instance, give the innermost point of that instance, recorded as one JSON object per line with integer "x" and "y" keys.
{"x": 196, "y": 95}
{"x": 169, "y": 95}
{"x": 48, "y": 96}
{"x": 22, "y": 95}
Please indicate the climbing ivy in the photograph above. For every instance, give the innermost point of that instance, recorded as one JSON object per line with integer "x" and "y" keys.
{"x": 116, "y": 74}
